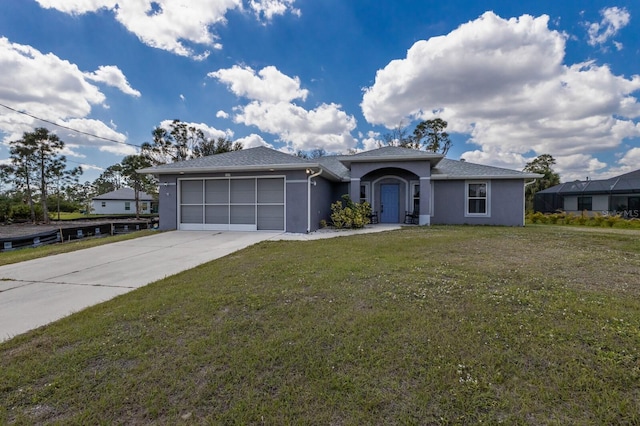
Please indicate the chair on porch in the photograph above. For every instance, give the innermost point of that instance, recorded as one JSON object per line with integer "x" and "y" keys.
{"x": 411, "y": 218}
{"x": 373, "y": 219}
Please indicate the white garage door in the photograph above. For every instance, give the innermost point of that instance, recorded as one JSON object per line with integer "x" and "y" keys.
{"x": 241, "y": 204}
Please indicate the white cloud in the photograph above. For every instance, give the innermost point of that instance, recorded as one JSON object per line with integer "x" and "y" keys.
{"x": 503, "y": 82}
{"x": 98, "y": 128}
{"x": 271, "y": 109}
{"x": 86, "y": 167}
{"x": 222, "y": 114}
{"x": 112, "y": 76}
{"x": 613, "y": 20}
{"x": 253, "y": 141}
{"x": 372, "y": 140}
{"x": 173, "y": 25}
{"x": 267, "y": 9}
{"x": 326, "y": 126}
{"x": 268, "y": 85}
{"x": 62, "y": 94}
{"x": 629, "y": 162}
{"x": 209, "y": 132}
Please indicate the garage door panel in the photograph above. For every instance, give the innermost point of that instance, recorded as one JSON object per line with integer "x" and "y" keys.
{"x": 243, "y": 191}
{"x": 243, "y": 215}
{"x": 191, "y": 214}
{"x": 216, "y": 215}
{"x": 270, "y": 190}
{"x": 191, "y": 192}
{"x": 217, "y": 191}
{"x": 271, "y": 218}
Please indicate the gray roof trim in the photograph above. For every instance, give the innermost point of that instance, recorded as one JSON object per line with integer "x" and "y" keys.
{"x": 392, "y": 154}
{"x": 485, "y": 177}
{"x": 229, "y": 169}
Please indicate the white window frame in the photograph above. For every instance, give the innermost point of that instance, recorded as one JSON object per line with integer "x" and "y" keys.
{"x": 412, "y": 198}
{"x": 367, "y": 192}
{"x": 487, "y": 198}
{"x": 127, "y": 206}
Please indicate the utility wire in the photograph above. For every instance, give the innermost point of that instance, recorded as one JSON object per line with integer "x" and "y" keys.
{"x": 69, "y": 128}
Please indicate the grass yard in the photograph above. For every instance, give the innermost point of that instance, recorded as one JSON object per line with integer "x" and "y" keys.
{"x": 441, "y": 325}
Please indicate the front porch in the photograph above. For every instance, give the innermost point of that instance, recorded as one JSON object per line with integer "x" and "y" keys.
{"x": 396, "y": 195}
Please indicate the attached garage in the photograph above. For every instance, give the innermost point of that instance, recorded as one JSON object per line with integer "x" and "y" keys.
{"x": 237, "y": 204}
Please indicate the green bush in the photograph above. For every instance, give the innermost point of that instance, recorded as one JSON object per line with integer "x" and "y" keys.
{"x": 351, "y": 215}
{"x": 5, "y": 208}
{"x": 22, "y": 212}
{"x": 612, "y": 220}
{"x": 598, "y": 219}
{"x": 583, "y": 218}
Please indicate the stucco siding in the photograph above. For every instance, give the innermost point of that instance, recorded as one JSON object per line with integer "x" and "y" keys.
{"x": 506, "y": 203}
{"x": 321, "y": 199}
{"x": 168, "y": 202}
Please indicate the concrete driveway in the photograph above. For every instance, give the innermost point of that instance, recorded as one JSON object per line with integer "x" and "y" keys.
{"x": 39, "y": 291}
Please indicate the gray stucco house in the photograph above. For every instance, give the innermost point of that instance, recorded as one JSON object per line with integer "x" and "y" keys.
{"x": 264, "y": 189}
{"x": 619, "y": 195}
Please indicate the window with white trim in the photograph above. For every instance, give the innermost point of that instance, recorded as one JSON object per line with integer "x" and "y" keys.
{"x": 104, "y": 204}
{"x": 127, "y": 205}
{"x": 365, "y": 193}
{"x": 415, "y": 197}
{"x": 478, "y": 199}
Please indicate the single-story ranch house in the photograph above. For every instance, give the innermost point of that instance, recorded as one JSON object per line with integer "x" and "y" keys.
{"x": 619, "y": 195}
{"x": 264, "y": 189}
{"x": 121, "y": 201}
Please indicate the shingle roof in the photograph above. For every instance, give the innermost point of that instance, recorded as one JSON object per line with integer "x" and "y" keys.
{"x": 336, "y": 166}
{"x": 628, "y": 182}
{"x": 394, "y": 151}
{"x": 124, "y": 194}
{"x": 453, "y": 169}
{"x": 250, "y": 157}
{"x": 333, "y": 164}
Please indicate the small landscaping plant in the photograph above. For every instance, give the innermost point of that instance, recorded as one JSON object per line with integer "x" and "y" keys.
{"x": 350, "y": 215}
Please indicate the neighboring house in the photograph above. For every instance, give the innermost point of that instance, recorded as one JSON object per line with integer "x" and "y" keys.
{"x": 263, "y": 189}
{"x": 619, "y": 195}
{"x": 121, "y": 201}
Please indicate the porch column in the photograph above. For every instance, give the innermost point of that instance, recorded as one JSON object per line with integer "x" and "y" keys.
{"x": 354, "y": 190}
{"x": 425, "y": 201}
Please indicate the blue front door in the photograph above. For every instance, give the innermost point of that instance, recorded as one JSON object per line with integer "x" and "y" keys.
{"x": 389, "y": 202}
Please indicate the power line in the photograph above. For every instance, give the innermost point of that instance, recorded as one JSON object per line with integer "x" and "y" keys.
{"x": 69, "y": 128}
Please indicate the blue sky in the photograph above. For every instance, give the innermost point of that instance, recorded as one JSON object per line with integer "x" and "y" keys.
{"x": 513, "y": 79}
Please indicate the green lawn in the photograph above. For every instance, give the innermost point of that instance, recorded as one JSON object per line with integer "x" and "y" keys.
{"x": 441, "y": 325}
